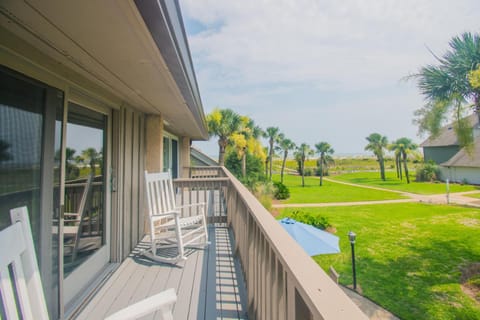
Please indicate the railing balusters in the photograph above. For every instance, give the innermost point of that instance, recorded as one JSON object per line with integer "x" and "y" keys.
{"x": 282, "y": 282}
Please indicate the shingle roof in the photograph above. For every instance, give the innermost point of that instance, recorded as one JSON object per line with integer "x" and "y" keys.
{"x": 464, "y": 159}
{"x": 447, "y": 136}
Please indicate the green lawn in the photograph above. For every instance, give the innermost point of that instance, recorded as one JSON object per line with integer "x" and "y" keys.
{"x": 474, "y": 195}
{"x": 373, "y": 179}
{"x": 409, "y": 256}
{"x": 329, "y": 192}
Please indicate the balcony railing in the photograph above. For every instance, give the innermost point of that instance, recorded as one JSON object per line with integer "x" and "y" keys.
{"x": 282, "y": 281}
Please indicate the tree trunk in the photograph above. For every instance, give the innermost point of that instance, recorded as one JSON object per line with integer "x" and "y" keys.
{"x": 244, "y": 163}
{"x": 321, "y": 170}
{"x": 399, "y": 166}
{"x": 382, "y": 168}
{"x": 222, "y": 143}
{"x": 271, "y": 160}
{"x": 406, "y": 167}
{"x": 303, "y": 172}
{"x": 266, "y": 167}
{"x": 285, "y": 154}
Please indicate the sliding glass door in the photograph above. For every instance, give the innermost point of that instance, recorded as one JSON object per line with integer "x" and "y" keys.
{"x": 85, "y": 251}
{"x": 54, "y": 160}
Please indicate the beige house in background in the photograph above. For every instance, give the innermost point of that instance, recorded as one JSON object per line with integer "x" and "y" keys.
{"x": 92, "y": 94}
{"x": 456, "y": 164}
{"x": 115, "y": 76}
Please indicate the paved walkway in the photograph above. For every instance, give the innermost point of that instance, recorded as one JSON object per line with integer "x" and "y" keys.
{"x": 454, "y": 198}
{"x": 371, "y": 309}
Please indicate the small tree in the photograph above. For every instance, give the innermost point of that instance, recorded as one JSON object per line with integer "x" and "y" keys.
{"x": 273, "y": 134}
{"x": 285, "y": 145}
{"x": 377, "y": 143}
{"x": 325, "y": 151}
{"x": 404, "y": 146}
{"x": 223, "y": 123}
{"x": 302, "y": 153}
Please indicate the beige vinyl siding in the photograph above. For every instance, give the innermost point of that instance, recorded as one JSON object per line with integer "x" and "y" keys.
{"x": 128, "y": 167}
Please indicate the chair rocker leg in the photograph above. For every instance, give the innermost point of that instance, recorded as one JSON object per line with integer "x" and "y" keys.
{"x": 157, "y": 258}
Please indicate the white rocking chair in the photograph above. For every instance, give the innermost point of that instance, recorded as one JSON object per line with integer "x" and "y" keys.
{"x": 168, "y": 228}
{"x": 21, "y": 287}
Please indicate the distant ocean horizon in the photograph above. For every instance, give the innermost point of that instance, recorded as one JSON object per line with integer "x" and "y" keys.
{"x": 336, "y": 155}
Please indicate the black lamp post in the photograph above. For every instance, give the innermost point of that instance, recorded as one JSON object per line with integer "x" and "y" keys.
{"x": 351, "y": 237}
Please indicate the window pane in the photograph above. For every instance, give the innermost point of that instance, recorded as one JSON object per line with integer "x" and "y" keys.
{"x": 84, "y": 185}
{"x": 21, "y": 123}
{"x": 166, "y": 154}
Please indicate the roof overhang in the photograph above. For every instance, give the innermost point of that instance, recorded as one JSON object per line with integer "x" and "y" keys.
{"x": 136, "y": 51}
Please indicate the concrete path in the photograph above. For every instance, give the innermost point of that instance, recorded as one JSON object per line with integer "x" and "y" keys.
{"x": 454, "y": 198}
{"x": 371, "y": 309}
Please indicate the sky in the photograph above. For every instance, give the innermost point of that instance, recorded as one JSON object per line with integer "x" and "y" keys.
{"x": 332, "y": 71}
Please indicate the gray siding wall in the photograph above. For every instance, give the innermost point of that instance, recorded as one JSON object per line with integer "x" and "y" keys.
{"x": 439, "y": 154}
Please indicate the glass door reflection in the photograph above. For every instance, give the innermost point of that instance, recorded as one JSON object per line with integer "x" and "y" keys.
{"x": 84, "y": 222}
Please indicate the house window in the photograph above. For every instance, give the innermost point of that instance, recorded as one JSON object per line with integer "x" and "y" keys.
{"x": 170, "y": 155}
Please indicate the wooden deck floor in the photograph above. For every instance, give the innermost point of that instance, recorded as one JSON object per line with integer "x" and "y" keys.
{"x": 209, "y": 284}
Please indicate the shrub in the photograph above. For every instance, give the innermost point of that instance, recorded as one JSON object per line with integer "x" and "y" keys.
{"x": 308, "y": 172}
{"x": 428, "y": 171}
{"x": 255, "y": 171}
{"x": 281, "y": 191}
{"x": 263, "y": 192}
{"x": 316, "y": 221}
{"x": 325, "y": 171}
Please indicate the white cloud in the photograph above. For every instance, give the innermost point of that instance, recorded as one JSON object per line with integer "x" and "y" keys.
{"x": 258, "y": 53}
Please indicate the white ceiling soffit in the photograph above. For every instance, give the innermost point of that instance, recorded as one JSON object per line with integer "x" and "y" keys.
{"x": 120, "y": 47}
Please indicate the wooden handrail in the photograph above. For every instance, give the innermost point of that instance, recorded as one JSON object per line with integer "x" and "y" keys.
{"x": 282, "y": 281}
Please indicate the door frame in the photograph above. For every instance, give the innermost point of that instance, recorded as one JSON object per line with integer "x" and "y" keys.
{"x": 86, "y": 273}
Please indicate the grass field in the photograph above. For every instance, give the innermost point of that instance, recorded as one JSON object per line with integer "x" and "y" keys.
{"x": 393, "y": 183}
{"x": 330, "y": 192}
{"x": 344, "y": 164}
{"x": 409, "y": 256}
{"x": 475, "y": 195}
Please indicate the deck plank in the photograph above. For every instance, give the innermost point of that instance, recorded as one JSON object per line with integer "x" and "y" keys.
{"x": 207, "y": 283}
{"x": 103, "y": 299}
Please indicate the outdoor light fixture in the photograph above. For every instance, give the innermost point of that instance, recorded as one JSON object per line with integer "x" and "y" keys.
{"x": 352, "y": 236}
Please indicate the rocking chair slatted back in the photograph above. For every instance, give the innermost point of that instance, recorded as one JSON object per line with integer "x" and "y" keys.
{"x": 21, "y": 287}
{"x": 160, "y": 193}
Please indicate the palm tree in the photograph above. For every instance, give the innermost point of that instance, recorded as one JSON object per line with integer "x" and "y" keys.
{"x": 405, "y": 146}
{"x": 302, "y": 153}
{"x": 71, "y": 170}
{"x": 377, "y": 143}
{"x": 325, "y": 150}
{"x": 285, "y": 145}
{"x": 90, "y": 156}
{"x": 273, "y": 135}
{"x": 251, "y": 133}
{"x": 4, "y": 153}
{"x": 398, "y": 156}
{"x": 451, "y": 86}
{"x": 223, "y": 123}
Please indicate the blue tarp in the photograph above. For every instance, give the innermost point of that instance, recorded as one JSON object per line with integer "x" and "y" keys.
{"x": 314, "y": 241}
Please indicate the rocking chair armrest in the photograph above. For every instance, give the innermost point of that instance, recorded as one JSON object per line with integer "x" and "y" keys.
{"x": 163, "y": 300}
{"x": 165, "y": 214}
{"x": 198, "y": 204}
